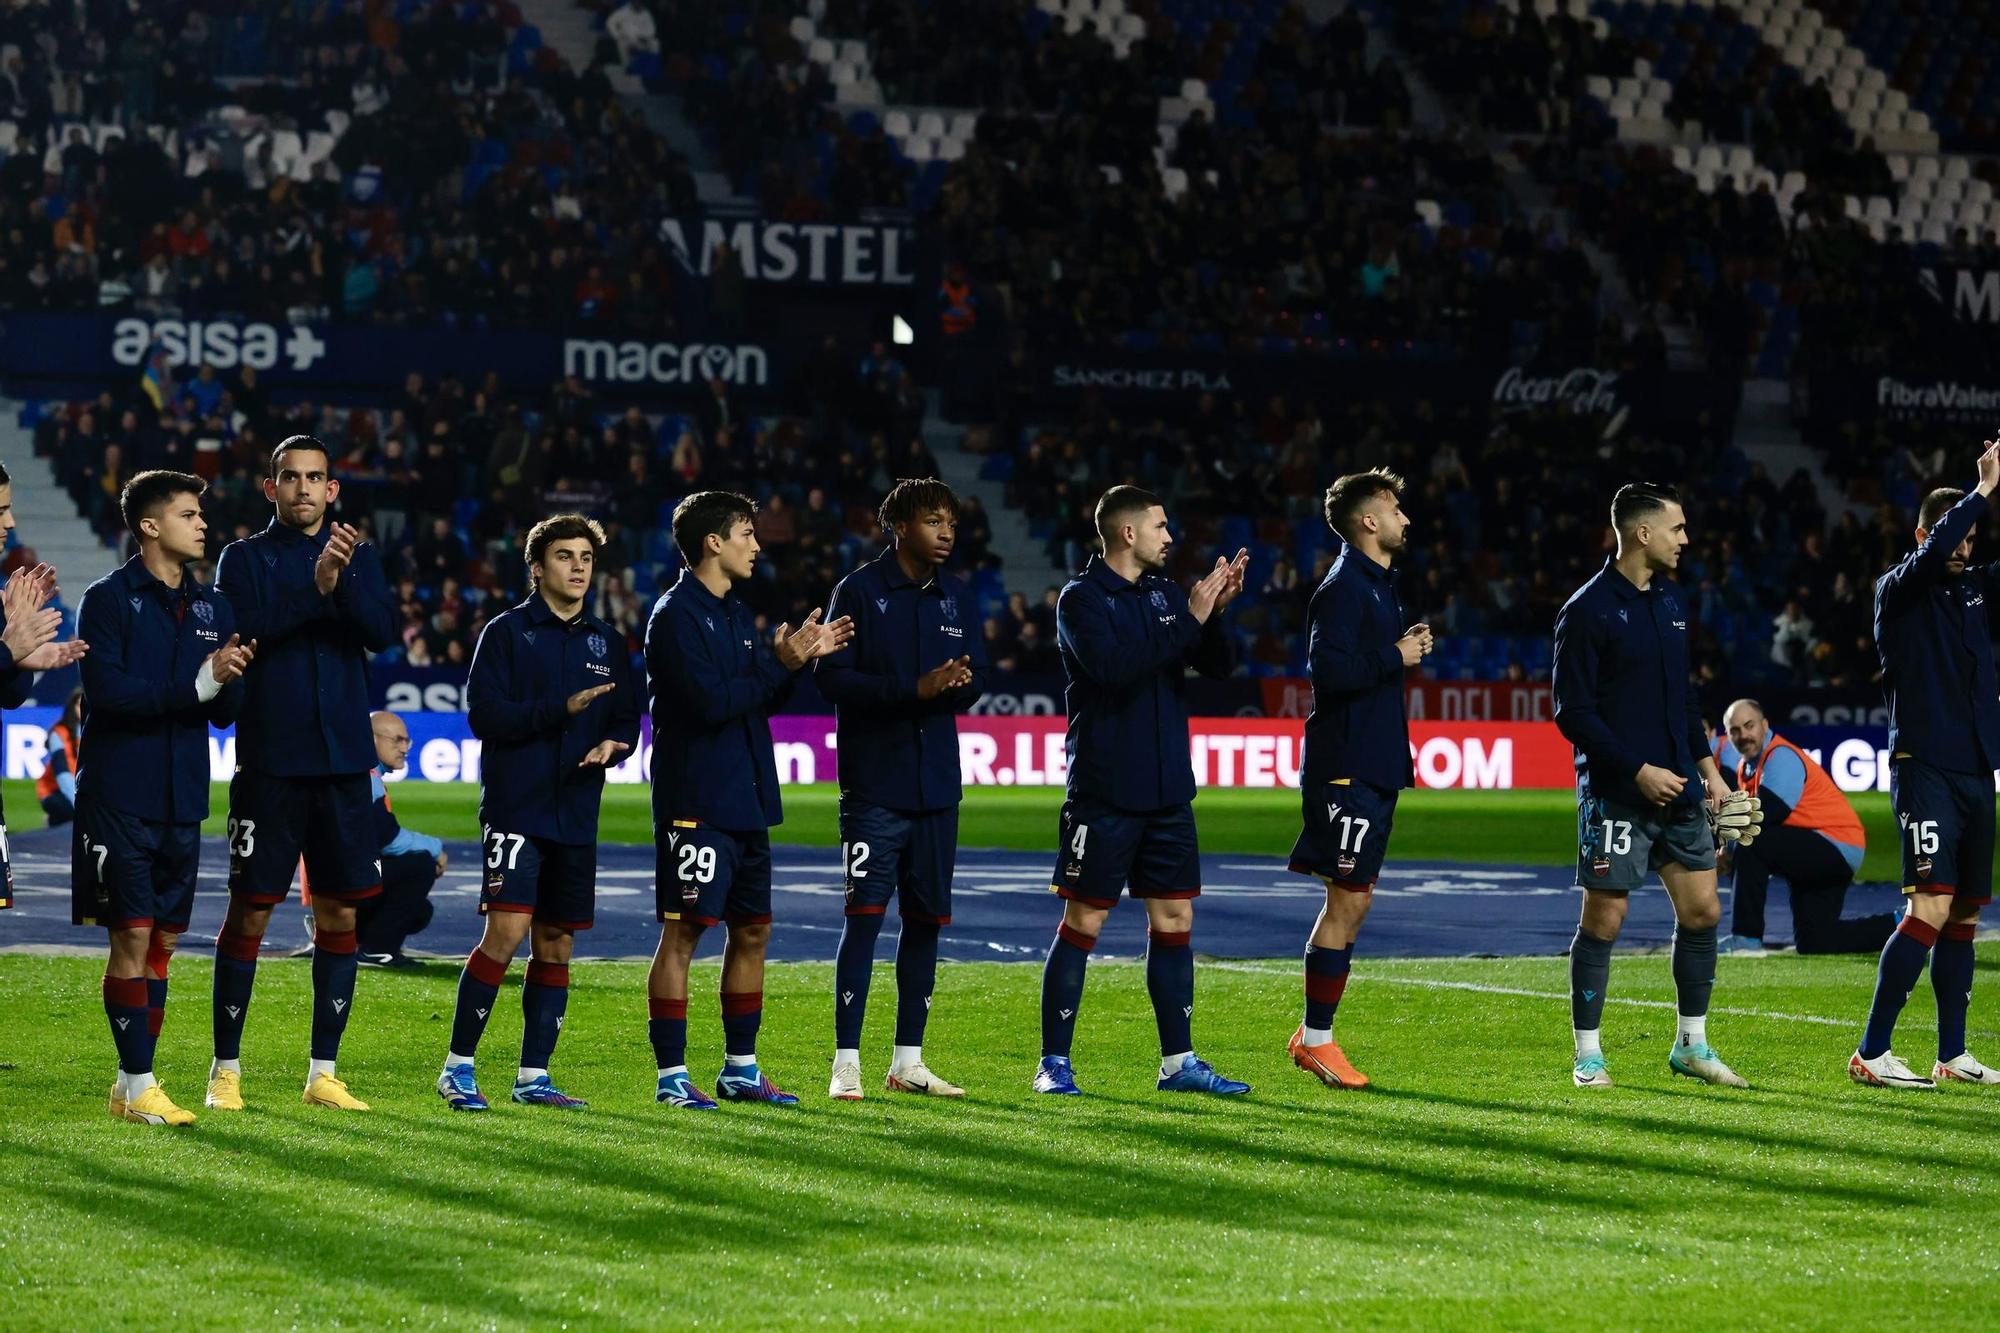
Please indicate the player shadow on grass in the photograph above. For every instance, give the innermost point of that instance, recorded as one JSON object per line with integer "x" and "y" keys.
{"x": 286, "y": 1240}
{"x": 1679, "y": 1127}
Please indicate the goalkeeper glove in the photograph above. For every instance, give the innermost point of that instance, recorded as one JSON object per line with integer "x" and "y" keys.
{"x": 1737, "y": 818}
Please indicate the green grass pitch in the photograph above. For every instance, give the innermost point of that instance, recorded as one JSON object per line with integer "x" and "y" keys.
{"x": 1473, "y": 1185}
{"x": 1500, "y": 827}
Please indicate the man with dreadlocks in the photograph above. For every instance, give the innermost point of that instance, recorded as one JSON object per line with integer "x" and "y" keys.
{"x": 916, "y": 661}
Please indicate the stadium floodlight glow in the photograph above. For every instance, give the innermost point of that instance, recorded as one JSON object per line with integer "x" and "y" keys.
{"x": 900, "y": 330}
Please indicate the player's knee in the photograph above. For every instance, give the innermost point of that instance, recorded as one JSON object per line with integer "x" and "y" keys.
{"x": 128, "y": 950}
{"x": 164, "y": 942}
{"x": 244, "y": 919}
{"x": 330, "y": 914}
{"x": 553, "y": 944}
{"x": 1083, "y": 918}
{"x": 1700, "y": 915}
{"x": 1604, "y": 914}
{"x": 1965, "y": 913}
{"x": 1175, "y": 915}
{"x": 503, "y": 934}
{"x": 751, "y": 934}
{"x": 1933, "y": 909}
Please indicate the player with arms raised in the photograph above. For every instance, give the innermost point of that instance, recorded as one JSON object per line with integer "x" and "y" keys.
{"x": 1623, "y": 700}
{"x": 309, "y": 593}
{"x": 552, "y": 699}
{"x": 917, "y": 661}
{"x": 1935, "y": 639}
{"x": 713, "y": 687}
{"x": 1128, "y": 635}
{"x": 1357, "y": 746}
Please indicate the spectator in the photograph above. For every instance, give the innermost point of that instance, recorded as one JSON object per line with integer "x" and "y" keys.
{"x": 411, "y": 862}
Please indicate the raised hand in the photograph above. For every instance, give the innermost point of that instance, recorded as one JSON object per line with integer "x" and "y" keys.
{"x": 28, "y": 590}
{"x": 796, "y": 647}
{"x": 30, "y": 630}
{"x": 583, "y": 699}
{"x": 231, "y": 660}
{"x": 1234, "y": 584}
{"x": 603, "y": 754}
{"x": 1989, "y": 467}
{"x": 53, "y": 656}
{"x": 1415, "y": 645}
{"x": 1202, "y": 596}
{"x": 950, "y": 676}
{"x": 339, "y": 551}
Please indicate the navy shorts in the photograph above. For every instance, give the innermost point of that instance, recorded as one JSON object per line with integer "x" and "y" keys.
{"x": 1946, "y": 823}
{"x": 556, "y": 881}
{"x": 1346, "y": 832}
{"x": 6, "y": 870}
{"x": 709, "y": 875}
{"x": 886, "y": 852}
{"x": 274, "y": 821}
{"x": 1105, "y": 851}
{"x": 127, "y": 872}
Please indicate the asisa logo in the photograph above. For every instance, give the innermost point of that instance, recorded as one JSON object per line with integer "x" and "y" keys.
{"x": 220, "y": 343}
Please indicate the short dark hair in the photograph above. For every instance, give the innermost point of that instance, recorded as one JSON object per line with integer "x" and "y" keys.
{"x": 1936, "y": 505}
{"x": 5, "y": 478}
{"x": 294, "y": 444}
{"x": 1637, "y": 499}
{"x": 1119, "y": 502}
{"x": 147, "y": 491}
{"x": 708, "y": 514}
{"x": 561, "y": 528}
{"x": 912, "y": 497}
{"x": 1348, "y": 494}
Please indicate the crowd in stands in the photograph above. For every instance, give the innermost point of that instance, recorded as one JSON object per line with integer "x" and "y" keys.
{"x": 382, "y": 163}
{"x": 449, "y": 477}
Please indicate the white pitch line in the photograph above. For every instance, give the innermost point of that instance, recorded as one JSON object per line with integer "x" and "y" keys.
{"x": 1428, "y": 983}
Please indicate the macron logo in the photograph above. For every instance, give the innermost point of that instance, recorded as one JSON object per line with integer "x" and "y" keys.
{"x": 340, "y": 1006}
{"x": 847, "y": 997}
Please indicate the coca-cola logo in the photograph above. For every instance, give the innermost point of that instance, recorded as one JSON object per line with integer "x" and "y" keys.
{"x": 1584, "y": 390}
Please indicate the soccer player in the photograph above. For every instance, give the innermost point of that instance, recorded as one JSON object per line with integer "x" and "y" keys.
{"x": 1642, "y": 763}
{"x": 310, "y": 593}
{"x": 712, "y": 689}
{"x": 1812, "y": 839}
{"x": 552, "y": 697}
{"x": 28, "y": 646}
{"x": 1357, "y": 745}
{"x": 1936, "y": 646}
{"x": 917, "y": 660}
{"x": 168, "y": 663}
{"x": 1128, "y": 635}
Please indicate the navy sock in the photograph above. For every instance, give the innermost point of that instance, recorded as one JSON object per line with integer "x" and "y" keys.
{"x": 235, "y": 974}
{"x": 125, "y": 1007}
{"x": 1062, "y": 988}
{"x": 916, "y": 978}
{"x": 1951, "y": 979}
{"x": 742, "y": 1014}
{"x": 1170, "y": 982}
{"x": 1902, "y": 963}
{"x": 667, "y": 1028}
{"x": 1326, "y": 982}
{"x": 157, "y": 958}
{"x": 478, "y": 990}
{"x": 544, "y": 1000}
{"x": 1694, "y": 969}
{"x": 1589, "y": 976}
{"x": 853, "y": 966}
{"x": 333, "y": 967}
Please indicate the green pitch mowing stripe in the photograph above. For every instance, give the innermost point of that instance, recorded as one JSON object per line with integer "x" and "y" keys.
{"x": 1473, "y": 1185}
{"x": 1493, "y": 828}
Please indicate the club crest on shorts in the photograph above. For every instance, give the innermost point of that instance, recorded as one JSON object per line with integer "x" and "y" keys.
{"x": 1923, "y": 867}
{"x": 597, "y": 645}
{"x": 1600, "y": 866}
{"x": 1345, "y": 863}
{"x": 204, "y": 612}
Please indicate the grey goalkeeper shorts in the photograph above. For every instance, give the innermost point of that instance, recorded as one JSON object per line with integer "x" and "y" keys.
{"x": 1619, "y": 844}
